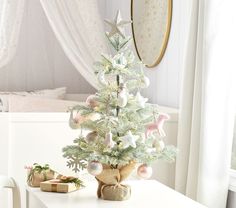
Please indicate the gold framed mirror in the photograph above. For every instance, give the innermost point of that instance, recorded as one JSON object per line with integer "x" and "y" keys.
{"x": 151, "y": 24}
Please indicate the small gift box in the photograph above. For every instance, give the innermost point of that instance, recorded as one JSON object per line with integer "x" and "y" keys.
{"x": 63, "y": 185}
{"x": 38, "y": 174}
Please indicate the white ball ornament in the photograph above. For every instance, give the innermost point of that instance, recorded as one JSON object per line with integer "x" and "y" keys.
{"x": 94, "y": 168}
{"x": 144, "y": 171}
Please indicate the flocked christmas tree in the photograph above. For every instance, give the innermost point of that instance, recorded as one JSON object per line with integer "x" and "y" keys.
{"x": 117, "y": 126}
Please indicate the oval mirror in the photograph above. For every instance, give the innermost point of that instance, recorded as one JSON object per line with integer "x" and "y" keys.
{"x": 151, "y": 22}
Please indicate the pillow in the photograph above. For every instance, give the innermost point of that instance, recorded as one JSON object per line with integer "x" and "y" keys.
{"x": 58, "y": 93}
{"x": 38, "y": 104}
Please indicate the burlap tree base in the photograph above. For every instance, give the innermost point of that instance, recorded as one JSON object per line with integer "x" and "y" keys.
{"x": 109, "y": 183}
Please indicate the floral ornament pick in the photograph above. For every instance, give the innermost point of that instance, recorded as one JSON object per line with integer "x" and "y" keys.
{"x": 157, "y": 126}
{"x": 129, "y": 140}
{"x": 117, "y": 25}
{"x": 108, "y": 140}
{"x": 140, "y": 100}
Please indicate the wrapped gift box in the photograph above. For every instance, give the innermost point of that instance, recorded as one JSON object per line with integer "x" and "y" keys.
{"x": 37, "y": 178}
{"x": 58, "y": 186}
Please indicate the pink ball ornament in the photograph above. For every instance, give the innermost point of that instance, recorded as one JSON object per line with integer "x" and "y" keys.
{"x": 94, "y": 168}
{"x": 92, "y": 101}
{"x": 144, "y": 171}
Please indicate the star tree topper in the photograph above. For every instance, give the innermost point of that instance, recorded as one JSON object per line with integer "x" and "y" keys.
{"x": 117, "y": 25}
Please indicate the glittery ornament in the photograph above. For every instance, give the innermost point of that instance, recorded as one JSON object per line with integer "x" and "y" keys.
{"x": 117, "y": 25}
{"x": 94, "y": 168}
{"x": 122, "y": 98}
{"x": 108, "y": 140}
{"x": 157, "y": 126}
{"x": 144, "y": 171}
{"x": 91, "y": 137}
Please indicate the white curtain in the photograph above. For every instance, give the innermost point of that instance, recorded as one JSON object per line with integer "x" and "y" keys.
{"x": 79, "y": 29}
{"x": 207, "y": 103}
{"x": 11, "y": 14}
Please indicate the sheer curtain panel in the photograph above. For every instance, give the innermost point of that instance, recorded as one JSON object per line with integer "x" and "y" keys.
{"x": 207, "y": 103}
{"x": 78, "y": 26}
{"x": 11, "y": 14}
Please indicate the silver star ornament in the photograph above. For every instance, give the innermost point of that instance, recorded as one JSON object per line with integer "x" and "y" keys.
{"x": 117, "y": 25}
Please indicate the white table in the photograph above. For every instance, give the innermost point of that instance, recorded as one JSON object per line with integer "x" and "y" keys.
{"x": 145, "y": 194}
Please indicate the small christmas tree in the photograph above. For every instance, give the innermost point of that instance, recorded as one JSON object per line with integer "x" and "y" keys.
{"x": 117, "y": 126}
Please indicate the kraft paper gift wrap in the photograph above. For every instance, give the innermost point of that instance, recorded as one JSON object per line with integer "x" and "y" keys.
{"x": 58, "y": 186}
{"x": 36, "y": 178}
{"x": 109, "y": 183}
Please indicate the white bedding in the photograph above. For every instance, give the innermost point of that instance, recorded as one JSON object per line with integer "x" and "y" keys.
{"x": 52, "y": 100}
{"x": 5, "y": 97}
{"x": 37, "y": 104}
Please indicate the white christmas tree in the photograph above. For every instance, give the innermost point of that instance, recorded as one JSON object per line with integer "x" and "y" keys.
{"x": 122, "y": 127}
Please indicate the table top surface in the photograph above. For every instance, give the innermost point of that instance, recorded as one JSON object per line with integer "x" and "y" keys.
{"x": 143, "y": 193}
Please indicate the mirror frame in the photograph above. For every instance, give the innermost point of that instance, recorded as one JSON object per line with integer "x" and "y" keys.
{"x": 165, "y": 40}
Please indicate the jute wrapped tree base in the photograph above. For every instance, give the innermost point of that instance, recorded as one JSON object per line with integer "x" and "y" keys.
{"x": 109, "y": 183}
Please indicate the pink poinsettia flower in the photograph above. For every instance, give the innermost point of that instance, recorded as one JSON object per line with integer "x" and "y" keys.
{"x": 157, "y": 126}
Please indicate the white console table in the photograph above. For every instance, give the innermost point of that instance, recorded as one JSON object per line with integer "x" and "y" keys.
{"x": 149, "y": 194}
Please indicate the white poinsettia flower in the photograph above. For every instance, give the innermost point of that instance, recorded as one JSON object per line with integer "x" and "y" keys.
{"x": 119, "y": 61}
{"x": 129, "y": 140}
